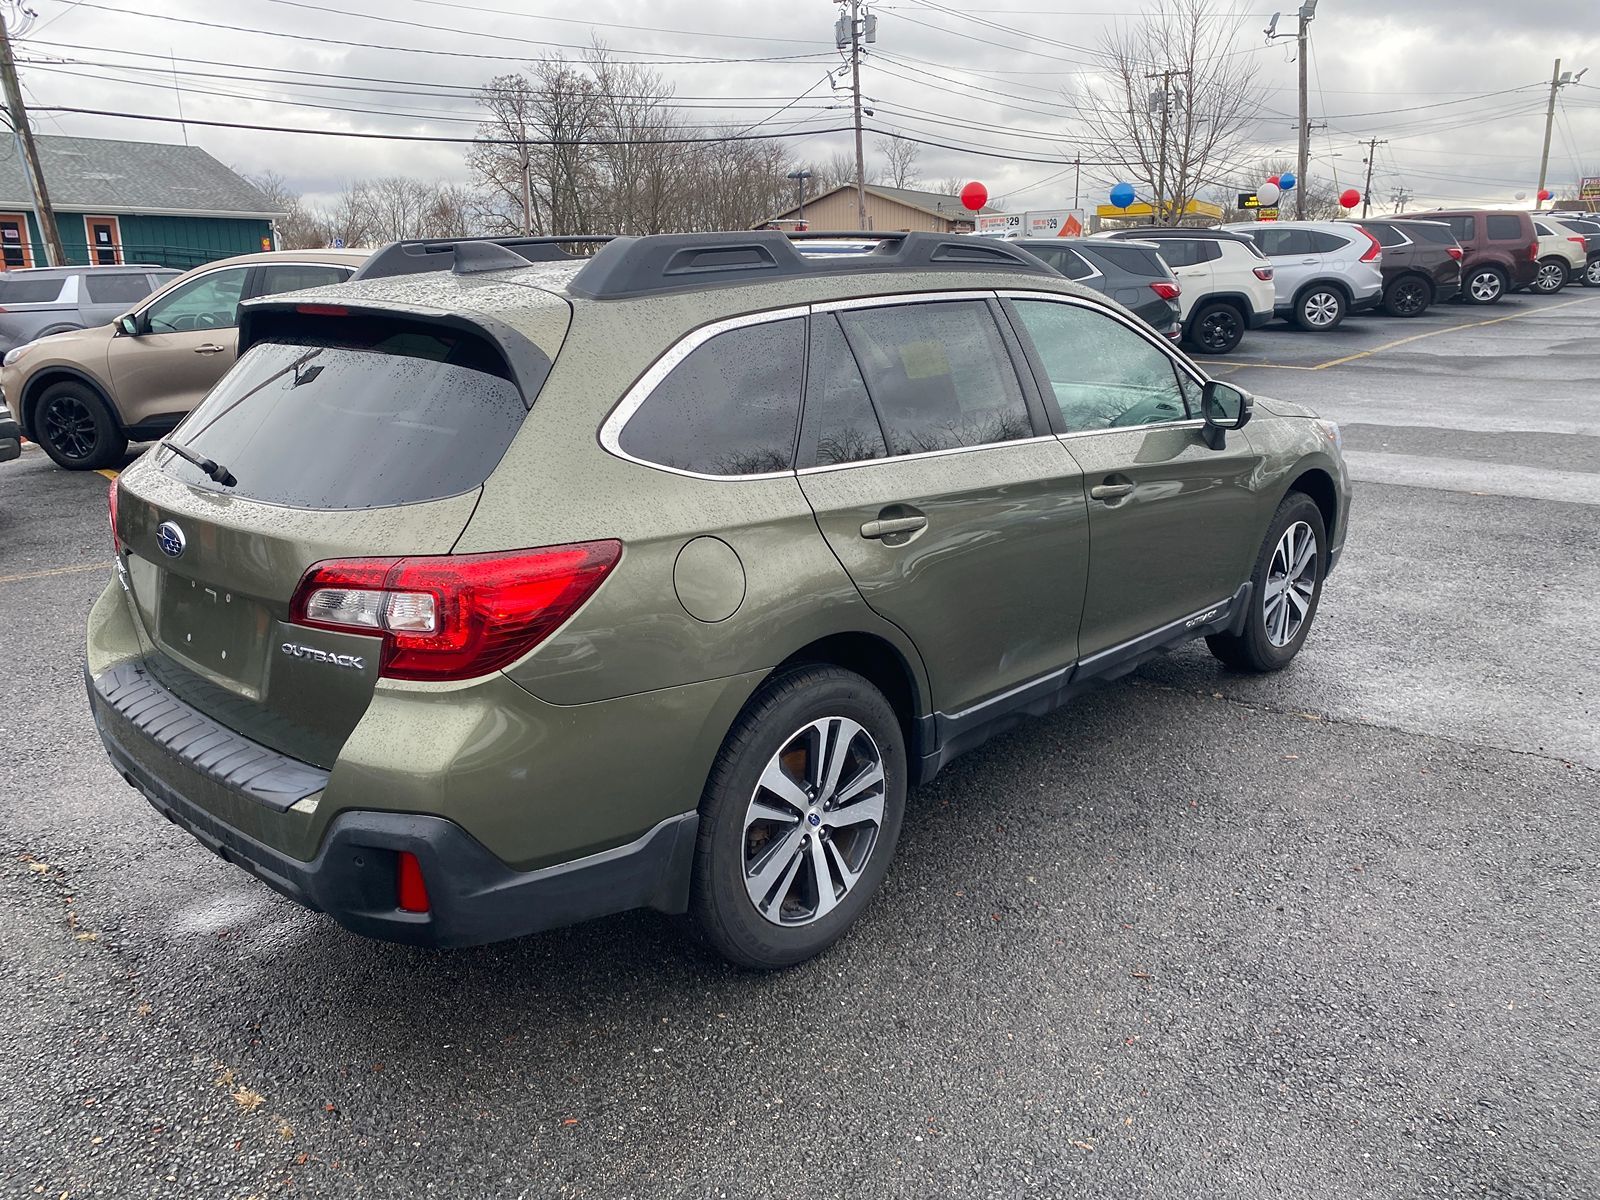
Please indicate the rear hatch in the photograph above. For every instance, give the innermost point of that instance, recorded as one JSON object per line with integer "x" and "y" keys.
{"x": 340, "y": 434}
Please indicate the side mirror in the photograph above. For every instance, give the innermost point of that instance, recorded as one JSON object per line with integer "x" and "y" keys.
{"x": 128, "y": 325}
{"x": 1224, "y": 407}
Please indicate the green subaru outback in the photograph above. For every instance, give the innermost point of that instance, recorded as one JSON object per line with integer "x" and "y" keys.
{"x": 503, "y": 587}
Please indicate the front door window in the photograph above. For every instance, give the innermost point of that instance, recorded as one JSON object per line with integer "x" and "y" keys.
{"x": 209, "y": 302}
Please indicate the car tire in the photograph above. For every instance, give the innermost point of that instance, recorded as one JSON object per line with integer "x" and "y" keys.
{"x": 1408, "y": 296}
{"x": 1484, "y": 285}
{"x": 758, "y": 840}
{"x": 74, "y": 425}
{"x": 1320, "y": 308}
{"x": 1552, "y": 277}
{"x": 1286, "y": 585}
{"x": 1591, "y": 273}
{"x": 1216, "y": 329}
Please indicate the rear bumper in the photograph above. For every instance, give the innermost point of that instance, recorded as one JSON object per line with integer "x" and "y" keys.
{"x": 1260, "y": 320}
{"x": 1366, "y": 302}
{"x": 474, "y": 897}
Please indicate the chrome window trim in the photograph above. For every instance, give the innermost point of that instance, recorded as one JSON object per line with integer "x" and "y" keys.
{"x": 633, "y": 399}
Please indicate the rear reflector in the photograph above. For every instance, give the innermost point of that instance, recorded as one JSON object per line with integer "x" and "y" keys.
{"x": 1167, "y": 291}
{"x": 1264, "y": 273}
{"x": 453, "y": 616}
{"x": 411, "y": 892}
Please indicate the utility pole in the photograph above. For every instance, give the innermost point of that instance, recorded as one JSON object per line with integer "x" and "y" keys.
{"x": 1372, "y": 145}
{"x": 1399, "y": 198}
{"x": 863, "y": 27}
{"x": 1308, "y": 10}
{"x": 1077, "y": 179}
{"x": 1557, "y": 82}
{"x": 1165, "y": 104}
{"x": 30, "y": 153}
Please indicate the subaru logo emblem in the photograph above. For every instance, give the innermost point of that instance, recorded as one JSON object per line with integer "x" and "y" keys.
{"x": 814, "y": 819}
{"x": 170, "y": 538}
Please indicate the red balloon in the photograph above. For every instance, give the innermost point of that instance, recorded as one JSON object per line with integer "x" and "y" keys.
{"x": 1274, "y": 180}
{"x": 974, "y": 196}
{"x": 1349, "y": 198}
{"x": 1545, "y": 194}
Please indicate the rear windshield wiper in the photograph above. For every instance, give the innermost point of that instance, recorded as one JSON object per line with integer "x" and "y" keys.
{"x": 213, "y": 469}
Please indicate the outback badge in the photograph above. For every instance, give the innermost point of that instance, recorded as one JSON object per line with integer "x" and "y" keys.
{"x": 353, "y": 662}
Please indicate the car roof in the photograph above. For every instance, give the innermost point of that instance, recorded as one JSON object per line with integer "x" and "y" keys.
{"x": 84, "y": 268}
{"x": 349, "y": 258}
{"x": 1210, "y": 233}
{"x": 1326, "y": 226}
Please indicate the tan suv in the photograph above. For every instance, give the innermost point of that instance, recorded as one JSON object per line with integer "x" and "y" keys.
{"x": 85, "y": 394}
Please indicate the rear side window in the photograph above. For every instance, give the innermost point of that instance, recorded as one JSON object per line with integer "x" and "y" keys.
{"x": 1326, "y": 243}
{"x": 1183, "y": 252}
{"x": 1505, "y": 227}
{"x": 1136, "y": 260}
{"x": 292, "y": 277}
{"x": 730, "y": 408}
{"x": 1387, "y": 235}
{"x": 30, "y": 291}
{"x": 389, "y": 413}
{"x": 119, "y": 288}
{"x": 939, "y": 375}
{"x": 840, "y": 426}
{"x": 1439, "y": 235}
{"x": 1465, "y": 228}
{"x": 1277, "y": 243}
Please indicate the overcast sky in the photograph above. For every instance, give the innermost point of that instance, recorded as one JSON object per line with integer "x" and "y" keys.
{"x": 1458, "y": 87}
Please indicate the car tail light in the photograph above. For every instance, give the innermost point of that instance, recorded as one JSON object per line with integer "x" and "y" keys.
{"x": 1167, "y": 291}
{"x": 1457, "y": 253}
{"x": 453, "y": 616}
{"x": 411, "y": 890}
{"x": 1375, "y": 250}
{"x": 1264, "y": 273}
{"x": 322, "y": 310}
{"x": 1533, "y": 251}
{"x": 1581, "y": 241}
{"x": 111, "y": 501}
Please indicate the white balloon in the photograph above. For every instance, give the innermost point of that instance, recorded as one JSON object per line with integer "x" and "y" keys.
{"x": 1522, "y": 195}
{"x": 1268, "y": 194}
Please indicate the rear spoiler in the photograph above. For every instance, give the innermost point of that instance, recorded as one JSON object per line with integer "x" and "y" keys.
{"x": 527, "y": 366}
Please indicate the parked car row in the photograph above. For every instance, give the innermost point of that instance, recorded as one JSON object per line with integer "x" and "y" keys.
{"x": 1237, "y": 277}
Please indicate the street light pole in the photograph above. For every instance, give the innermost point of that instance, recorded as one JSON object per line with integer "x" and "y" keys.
{"x": 1308, "y": 10}
{"x": 800, "y": 178}
{"x": 1557, "y": 82}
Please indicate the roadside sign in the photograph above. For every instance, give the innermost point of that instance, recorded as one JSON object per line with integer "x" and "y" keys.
{"x": 1000, "y": 225}
{"x": 1266, "y": 214}
{"x": 1589, "y": 189}
{"x": 338, "y": 243}
{"x": 1249, "y": 200}
{"x": 1062, "y": 222}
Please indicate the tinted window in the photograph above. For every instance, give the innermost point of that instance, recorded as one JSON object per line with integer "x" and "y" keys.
{"x": 1326, "y": 243}
{"x": 1439, "y": 235}
{"x": 1387, "y": 235}
{"x": 1281, "y": 242}
{"x": 1543, "y": 230}
{"x": 1465, "y": 228}
{"x": 291, "y": 277}
{"x": 1506, "y": 227}
{"x": 29, "y": 291}
{"x": 209, "y": 302}
{"x": 1103, "y": 375}
{"x": 1182, "y": 252}
{"x": 938, "y": 374}
{"x": 389, "y": 414}
{"x": 1136, "y": 260}
{"x": 839, "y": 424}
{"x": 115, "y": 288}
{"x": 1063, "y": 260}
{"x": 730, "y": 408}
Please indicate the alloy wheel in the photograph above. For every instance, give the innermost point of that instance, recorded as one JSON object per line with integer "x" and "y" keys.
{"x": 1219, "y": 332}
{"x": 1486, "y": 287}
{"x": 1592, "y": 274}
{"x": 1321, "y": 309}
{"x": 1291, "y": 584}
{"x": 1410, "y": 297}
{"x": 1550, "y": 278}
{"x": 813, "y": 821}
{"x": 69, "y": 427}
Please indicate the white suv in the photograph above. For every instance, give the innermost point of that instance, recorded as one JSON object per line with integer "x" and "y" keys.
{"x": 1226, "y": 282}
{"x": 1563, "y": 255}
{"x": 1323, "y": 270}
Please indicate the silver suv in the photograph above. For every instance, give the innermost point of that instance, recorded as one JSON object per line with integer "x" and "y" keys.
{"x": 1323, "y": 270}
{"x": 46, "y": 300}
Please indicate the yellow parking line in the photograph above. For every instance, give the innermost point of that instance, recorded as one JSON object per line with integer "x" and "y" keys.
{"x": 108, "y": 472}
{"x": 98, "y": 566}
{"x": 1417, "y": 337}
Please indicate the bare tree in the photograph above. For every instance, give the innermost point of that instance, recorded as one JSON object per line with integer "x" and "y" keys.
{"x": 1176, "y": 100}
{"x": 899, "y": 162}
{"x": 953, "y": 185}
{"x": 299, "y": 228}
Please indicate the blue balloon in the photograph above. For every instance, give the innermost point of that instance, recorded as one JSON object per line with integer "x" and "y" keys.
{"x": 1122, "y": 195}
{"x": 1286, "y": 182}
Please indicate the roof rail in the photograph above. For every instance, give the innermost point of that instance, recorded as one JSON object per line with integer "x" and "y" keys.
{"x": 642, "y": 266}
{"x": 468, "y": 256}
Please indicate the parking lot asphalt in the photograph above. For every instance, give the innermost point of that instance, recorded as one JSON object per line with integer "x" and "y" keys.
{"x": 1328, "y": 933}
